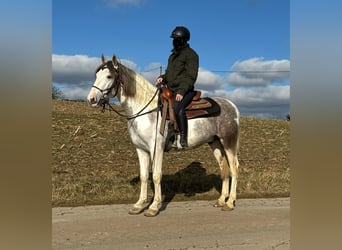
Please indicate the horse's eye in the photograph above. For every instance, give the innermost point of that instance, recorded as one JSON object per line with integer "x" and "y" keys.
{"x": 109, "y": 77}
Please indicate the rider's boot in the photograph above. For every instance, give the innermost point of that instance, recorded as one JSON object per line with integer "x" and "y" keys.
{"x": 182, "y": 122}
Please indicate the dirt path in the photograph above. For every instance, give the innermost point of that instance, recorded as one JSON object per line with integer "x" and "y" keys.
{"x": 254, "y": 224}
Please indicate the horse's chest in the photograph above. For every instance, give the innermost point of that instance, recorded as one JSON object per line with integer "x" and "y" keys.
{"x": 140, "y": 135}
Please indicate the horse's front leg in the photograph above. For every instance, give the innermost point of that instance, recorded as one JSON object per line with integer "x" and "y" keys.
{"x": 144, "y": 161}
{"x": 157, "y": 176}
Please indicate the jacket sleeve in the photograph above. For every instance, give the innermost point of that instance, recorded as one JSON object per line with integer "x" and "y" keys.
{"x": 164, "y": 76}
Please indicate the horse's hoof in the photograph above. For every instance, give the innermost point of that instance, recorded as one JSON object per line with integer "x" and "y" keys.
{"x": 151, "y": 213}
{"x": 135, "y": 210}
{"x": 218, "y": 204}
{"x": 227, "y": 208}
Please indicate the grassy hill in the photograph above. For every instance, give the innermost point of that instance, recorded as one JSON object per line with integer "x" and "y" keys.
{"x": 94, "y": 161}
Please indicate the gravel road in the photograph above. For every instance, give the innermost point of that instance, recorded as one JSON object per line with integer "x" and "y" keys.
{"x": 254, "y": 224}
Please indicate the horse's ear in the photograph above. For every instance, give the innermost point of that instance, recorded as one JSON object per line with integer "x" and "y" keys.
{"x": 115, "y": 61}
{"x": 103, "y": 58}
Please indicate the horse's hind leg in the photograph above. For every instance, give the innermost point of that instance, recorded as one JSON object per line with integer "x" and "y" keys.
{"x": 219, "y": 154}
{"x": 231, "y": 153}
{"x": 144, "y": 161}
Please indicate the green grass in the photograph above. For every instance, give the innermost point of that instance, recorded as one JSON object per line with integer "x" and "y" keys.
{"x": 94, "y": 161}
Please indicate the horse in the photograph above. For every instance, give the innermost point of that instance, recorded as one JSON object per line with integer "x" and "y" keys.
{"x": 139, "y": 101}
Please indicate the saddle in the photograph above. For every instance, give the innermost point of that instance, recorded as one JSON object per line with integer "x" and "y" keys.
{"x": 199, "y": 107}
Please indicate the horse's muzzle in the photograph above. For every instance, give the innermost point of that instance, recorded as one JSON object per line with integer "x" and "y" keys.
{"x": 92, "y": 101}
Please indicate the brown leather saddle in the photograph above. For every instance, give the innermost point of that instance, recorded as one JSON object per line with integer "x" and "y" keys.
{"x": 199, "y": 107}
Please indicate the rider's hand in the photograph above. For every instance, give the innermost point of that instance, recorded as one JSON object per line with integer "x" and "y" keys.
{"x": 179, "y": 97}
{"x": 159, "y": 80}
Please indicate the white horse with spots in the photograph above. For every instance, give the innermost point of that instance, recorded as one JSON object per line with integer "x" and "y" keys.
{"x": 138, "y": 98}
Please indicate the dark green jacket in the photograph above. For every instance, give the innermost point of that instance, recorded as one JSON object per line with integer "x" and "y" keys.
{"x": 182, "y": 70}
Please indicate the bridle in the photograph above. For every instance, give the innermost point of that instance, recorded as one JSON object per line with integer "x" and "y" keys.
{"x": 116, "y": 73}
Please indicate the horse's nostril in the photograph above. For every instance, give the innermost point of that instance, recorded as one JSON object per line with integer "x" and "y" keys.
{"x": 92, "y": 100}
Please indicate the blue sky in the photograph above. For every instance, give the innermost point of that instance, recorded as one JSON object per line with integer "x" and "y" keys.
{"x": 244, "y": 46}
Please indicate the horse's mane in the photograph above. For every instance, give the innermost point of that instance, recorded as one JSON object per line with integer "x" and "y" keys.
{"x": 137, "y": 86}
{"x": 128, "y": 79}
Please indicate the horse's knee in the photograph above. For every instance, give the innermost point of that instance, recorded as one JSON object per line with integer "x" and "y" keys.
{"x": 156, "y": 178}
{"x": 143, "y": 178}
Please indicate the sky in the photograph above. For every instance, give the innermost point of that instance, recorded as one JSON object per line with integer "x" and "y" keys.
{"x": 243, "y": 46}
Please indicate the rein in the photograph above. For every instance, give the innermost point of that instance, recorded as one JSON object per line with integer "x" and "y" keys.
{"x": 130, "y": 117}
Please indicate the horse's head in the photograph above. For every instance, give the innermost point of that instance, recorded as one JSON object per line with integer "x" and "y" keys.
{"x": 107, "y": 82}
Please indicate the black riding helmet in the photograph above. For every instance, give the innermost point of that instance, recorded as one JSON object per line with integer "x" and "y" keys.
{"x": 181, "y": 32}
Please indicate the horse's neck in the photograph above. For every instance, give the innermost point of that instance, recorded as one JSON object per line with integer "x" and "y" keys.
{"x": 143, "y": 94}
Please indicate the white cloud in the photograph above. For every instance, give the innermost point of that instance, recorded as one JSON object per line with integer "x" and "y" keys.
{"x": 268, "y": 95}
{"x": 75, "y": 74}
{"x": 79, "y": 69}
{"x": 76, "y": 69}
{"x": 76, "y": 93}
{"x": 263, "y": 101}
{"x": 209, "y": 81}
{"x": 258, "y": 72}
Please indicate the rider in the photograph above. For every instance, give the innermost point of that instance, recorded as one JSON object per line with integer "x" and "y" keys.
{"x": 180, "y": 76}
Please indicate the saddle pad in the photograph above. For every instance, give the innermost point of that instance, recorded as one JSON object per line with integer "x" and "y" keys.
{"x": 212, "y": 110}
